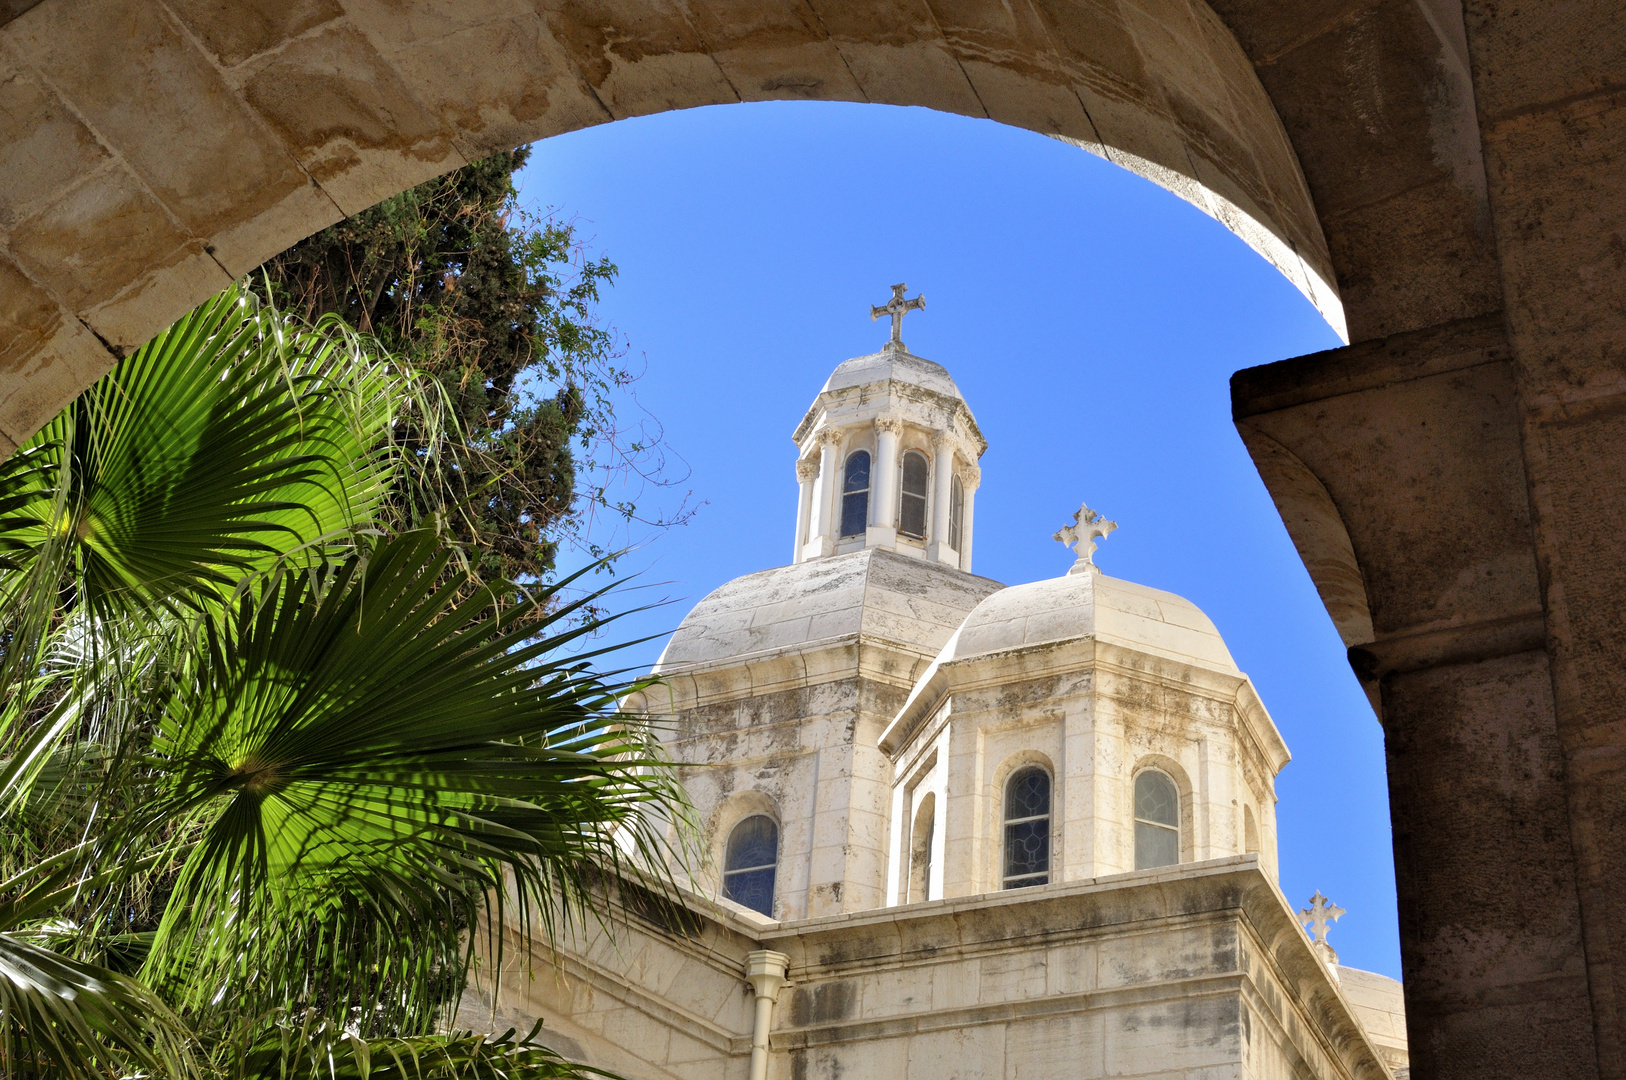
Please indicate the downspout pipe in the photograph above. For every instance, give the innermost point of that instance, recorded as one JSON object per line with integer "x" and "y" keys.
{"x": 765, "y": 971}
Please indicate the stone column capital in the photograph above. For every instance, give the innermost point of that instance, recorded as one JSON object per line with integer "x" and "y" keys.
{"x": 807, "y": 469}
{"x": 889, "y": 423}
{"x": 830, "y": 436}
{"x": 970, "y": 477}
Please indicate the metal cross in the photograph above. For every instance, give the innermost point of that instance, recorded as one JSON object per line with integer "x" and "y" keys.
{"x": 1316, "y": 915}
{"x": 898, "y": 307}
{"x": 1081, "y": 535}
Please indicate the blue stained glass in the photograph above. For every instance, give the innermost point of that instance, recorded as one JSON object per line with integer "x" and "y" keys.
{"x": 855, "y": 497}
{"x": 752, "y": 889}
{"x": 1027, "y": 829}
{"x": 750, "y": 863}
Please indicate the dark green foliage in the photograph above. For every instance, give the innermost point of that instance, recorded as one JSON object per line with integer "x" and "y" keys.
{"x": 497, "y": 308}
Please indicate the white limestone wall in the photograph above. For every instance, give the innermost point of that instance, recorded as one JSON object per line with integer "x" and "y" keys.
{"x": 1093, "y": 715}
{"x": 1197, "y": 972}
{"x": 777, "y": 687}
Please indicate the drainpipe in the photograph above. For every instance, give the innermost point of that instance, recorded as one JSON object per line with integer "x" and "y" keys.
{"x": 765, "y": 971}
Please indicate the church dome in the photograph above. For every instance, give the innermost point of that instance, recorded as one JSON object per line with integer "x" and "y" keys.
{"x": 875, "y": 593}
{"x": 1086, "y": 605}
{"x": 895, "y": 366}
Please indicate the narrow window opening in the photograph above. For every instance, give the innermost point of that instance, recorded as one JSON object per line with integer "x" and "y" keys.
{"x": 1027, "y": 829}
{"x": 920, "y": 851}
{"x": 855, "y": 495}
{"x": 1250, "y": 832}
{"x": 1157, "y": 820}
{"x": 916, "y": 480}
{"x": 956, "y": 513}
{"x": 750, "y": 863}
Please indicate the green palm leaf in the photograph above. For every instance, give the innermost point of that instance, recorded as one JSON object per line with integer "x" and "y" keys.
{"x": 63, "y": 1017}
{"x": 230, "y": 438}
{"x": 366, "y": 749}
{"x": 317, "y": 1049}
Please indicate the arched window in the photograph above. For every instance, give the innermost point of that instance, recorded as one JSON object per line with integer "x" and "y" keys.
{"x": 750, "y": 863}
{"x": 1157, "y": 820}
{"x": 1250, "y": 832}
{"x": 1027, "y": 829}
{"x": 920, "y": 850}
{"x": 956, "y": 513}
{"x": 855, "y": 495}
{"x": 916, "y": 479}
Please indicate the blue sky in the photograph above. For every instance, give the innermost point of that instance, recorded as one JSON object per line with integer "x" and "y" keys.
{"x": 1092, "y": 321}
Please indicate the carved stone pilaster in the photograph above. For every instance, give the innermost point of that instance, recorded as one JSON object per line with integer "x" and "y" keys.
{"x": 807, "y": 469}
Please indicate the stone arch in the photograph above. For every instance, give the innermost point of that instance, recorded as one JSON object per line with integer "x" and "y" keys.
{"x": 167, "y": 148}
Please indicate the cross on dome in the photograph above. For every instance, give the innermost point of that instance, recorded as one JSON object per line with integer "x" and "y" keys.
{"x": 1087, "y": 526}
{"x": 1317, "y": 914}
{"x": 897, "y": 307}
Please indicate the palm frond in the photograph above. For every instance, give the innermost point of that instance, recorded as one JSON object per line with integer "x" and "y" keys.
{"x": 318, "y": 1049}
{"x": 229, "y": 439}
{"x": 70, "y": 1020}
{"x": 369, "y": 750}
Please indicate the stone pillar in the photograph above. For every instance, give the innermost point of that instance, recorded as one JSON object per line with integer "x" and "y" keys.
{"x": 883, "y": 488}
{"x": 807, "y": 474}
{"x": 970, "y": 477}
{"x": 826, "y": 497}
{"x": 1446, "y": 618}
{"x": 942, "y": 472}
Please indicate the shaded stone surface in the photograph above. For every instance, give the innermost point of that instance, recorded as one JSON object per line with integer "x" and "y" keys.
{"x": 1444, "y": 178}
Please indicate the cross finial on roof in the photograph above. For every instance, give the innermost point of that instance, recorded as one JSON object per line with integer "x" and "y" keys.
{"x": 897, "y": 307}
{"x": 1317, "y": 915}
{"x": 1081, "y": 536}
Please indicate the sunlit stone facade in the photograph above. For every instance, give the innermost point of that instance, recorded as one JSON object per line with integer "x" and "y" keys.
{"x": 955, "y": 829}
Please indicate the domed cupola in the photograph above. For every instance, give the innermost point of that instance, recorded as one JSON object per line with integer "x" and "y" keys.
{"x": 888, "y": 456}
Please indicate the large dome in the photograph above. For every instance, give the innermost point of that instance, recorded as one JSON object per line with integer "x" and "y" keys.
{"x": 873, "y": 593}
{"x": 893, "y": 365}
{"x": 1091, "y": 605}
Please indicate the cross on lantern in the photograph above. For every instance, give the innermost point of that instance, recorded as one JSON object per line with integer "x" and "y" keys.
{"x": 897, "y": 307}
{"x": 1087, "y": 527}
{"x": 1317, "y": 914}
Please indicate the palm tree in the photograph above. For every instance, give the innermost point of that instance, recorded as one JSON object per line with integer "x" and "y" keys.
{"x": 270, "y": 757}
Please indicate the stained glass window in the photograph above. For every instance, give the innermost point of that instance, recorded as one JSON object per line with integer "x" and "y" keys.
{"x": 1157, "y": 820}
{"x": 855, "y": 495}
{"x": 750, "y": 863}
{"x": 1027, "y": 829}
{"x": 916, "y": 479}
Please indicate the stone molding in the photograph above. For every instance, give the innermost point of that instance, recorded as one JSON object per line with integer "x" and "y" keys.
{"x": 1252, "y": 948}
{"x": 990, "y": 670}
{"x": 807, "y": 469}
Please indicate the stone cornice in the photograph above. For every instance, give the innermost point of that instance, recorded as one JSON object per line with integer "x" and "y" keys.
{"x": 1079, "y": 654}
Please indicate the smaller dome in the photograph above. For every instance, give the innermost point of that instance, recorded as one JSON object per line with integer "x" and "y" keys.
{"x": 893, "y": 365}
{"x": 1091, "y": 605}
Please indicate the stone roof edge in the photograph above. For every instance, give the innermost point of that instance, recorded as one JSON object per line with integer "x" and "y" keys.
{"x": 1246, "y": 889}
{"x": 958, "y": 675}
{"x": 1277, "y": 930}
{"x": 955, "y": 407}
{"x": 752, "y": 671}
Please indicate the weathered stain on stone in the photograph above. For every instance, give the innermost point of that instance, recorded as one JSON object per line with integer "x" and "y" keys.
{"x": 825, "y": 1003}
